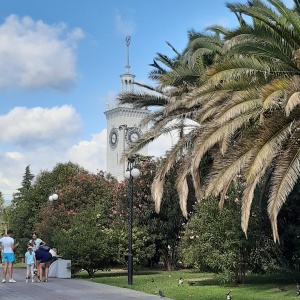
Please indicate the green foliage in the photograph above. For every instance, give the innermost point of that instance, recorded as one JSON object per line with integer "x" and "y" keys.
{"x": 161, "y": 229}
{"x": 213, "y": 239}
{"x": 27, "y": 179}
{"x": 289, "y": 229}
{"x": 87, "y": 241}
{"x": 86, "y": 189}
{"x": 2, "y": 215}
{"x": 81, "y": 191}
{"x": 143, "y": 247}
{"x": 32, "y": 197}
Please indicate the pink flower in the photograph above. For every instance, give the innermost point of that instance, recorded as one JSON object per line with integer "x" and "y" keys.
{"x": 236, "y": 200}
{"x": 114, "y": 212}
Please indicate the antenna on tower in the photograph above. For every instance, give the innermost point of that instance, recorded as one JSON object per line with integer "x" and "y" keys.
{"x": 127, "y": 40}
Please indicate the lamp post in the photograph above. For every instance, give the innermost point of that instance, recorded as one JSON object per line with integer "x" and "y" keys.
{"x": 131, "y": 172}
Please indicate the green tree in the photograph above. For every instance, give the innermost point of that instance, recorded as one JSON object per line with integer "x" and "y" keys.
{"x": 182, "y": 75}
{"x": 27, "y": 179}
{"x": 33, "y": 195}
{"x": 87, "y": 241}
{"x": 2, "y": 217}
{"x": 155, "y": 235}
{"x": 81, "y": 191}
{"x": 246, "y": 112}
{"x": 213, "y": 240}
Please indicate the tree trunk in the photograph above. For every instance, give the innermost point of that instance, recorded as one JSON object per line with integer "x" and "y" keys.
{"x": 240, "y": 274}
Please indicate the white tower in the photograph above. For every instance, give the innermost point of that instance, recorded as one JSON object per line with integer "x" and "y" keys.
{"x": 123, "y": 126}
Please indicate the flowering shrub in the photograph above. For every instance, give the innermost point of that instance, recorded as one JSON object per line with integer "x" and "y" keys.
{"x": 213, "y": 239}
{"x": 156, "y": 235}
{"x": 82, "y": 191}
{"x": 87, "y": 241}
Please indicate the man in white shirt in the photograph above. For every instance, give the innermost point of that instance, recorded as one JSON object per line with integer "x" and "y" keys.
{"x": 8, "y": 245}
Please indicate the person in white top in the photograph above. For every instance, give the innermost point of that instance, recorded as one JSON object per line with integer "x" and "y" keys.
{"x": 8, "y": 245}
{"x": 35, "y": 242}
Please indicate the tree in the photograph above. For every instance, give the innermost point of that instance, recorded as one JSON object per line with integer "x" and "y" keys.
{"x": 246, "y": 110}
{"x": 155, "y": 235}
{"x": 213, "y": 240}
{"x": 184, "y": 73}
{"x": 25, "y": 207}
{"x": 27, "y": 179}
{"x": 2, "y": 217}
{"x": 87, "y": 241}
{"x": 259, "y": 120}
{"x": 81, "y": 191}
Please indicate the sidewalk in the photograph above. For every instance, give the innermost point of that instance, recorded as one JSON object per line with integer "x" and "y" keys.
{"x": 65, "y": 289}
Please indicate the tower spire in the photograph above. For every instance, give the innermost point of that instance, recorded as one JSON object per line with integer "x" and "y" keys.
{"x": 127, "y": 78}
{"x": 127, "y": 40}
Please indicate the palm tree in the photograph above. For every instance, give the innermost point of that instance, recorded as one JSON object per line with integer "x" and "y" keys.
{"x": 248, "y": 107}
{"x": 184, "y": 72}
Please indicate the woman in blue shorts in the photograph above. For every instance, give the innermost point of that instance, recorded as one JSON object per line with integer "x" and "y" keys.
{"x": 44, "y": 257}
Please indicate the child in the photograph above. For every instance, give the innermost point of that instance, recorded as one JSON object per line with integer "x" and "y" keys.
{"x": 30, "y": 263}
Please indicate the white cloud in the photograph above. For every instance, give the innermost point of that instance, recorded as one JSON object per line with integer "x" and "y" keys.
{"x": 90, "y": 154}
{"x": 162, "y": 144}
{"x": 36, "y": 55}
{"x": 31, "y": 127}
{"x": 14, "y": 155}
{"x": 124, "y": 27}
{"x": 48, "y": 136}
{"x": 39, "y": 137}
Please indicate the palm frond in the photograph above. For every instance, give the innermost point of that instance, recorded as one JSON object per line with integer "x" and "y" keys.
{"x": 142, "y": 99}
{"x": 218, "y": 29}
{"x": 247, "y": 199}
{"x": 286, "y": 173}
{"x": 183, "y": 190}
{"x": 268, "y": 145}
{"x": 292, "y": 102}
{"x": 226, "y": 168}
{"x": 157, "y": 189}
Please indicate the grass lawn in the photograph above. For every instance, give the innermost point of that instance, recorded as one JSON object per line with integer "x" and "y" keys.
{"x": 262, "y": 287}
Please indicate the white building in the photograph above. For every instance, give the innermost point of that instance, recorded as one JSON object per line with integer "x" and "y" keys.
{"x": 123, "y": 127}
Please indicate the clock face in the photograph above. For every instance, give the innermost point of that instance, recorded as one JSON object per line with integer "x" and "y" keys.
{"x": 113, "y": 138}
{"x": 132, "y": 135}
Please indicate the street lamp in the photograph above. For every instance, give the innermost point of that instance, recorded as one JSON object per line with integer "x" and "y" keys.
{"x": 131, "y": 172}
{"x": 53, "y": 196}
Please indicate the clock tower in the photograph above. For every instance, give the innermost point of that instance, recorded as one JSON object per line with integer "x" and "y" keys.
{"x": 123, "y": 126}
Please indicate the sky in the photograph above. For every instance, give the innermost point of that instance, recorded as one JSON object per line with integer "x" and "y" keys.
{"x": 61, "y": 61}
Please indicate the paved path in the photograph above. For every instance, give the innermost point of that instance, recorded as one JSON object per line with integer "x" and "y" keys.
{"x": 65, "y": 289}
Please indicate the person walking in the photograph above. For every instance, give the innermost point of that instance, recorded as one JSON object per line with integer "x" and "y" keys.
{"x": 8, "y": 245}
{"x": 30, "y": 262}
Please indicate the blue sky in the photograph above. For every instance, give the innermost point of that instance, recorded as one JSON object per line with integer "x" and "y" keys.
{"x": 60, "y": 60}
